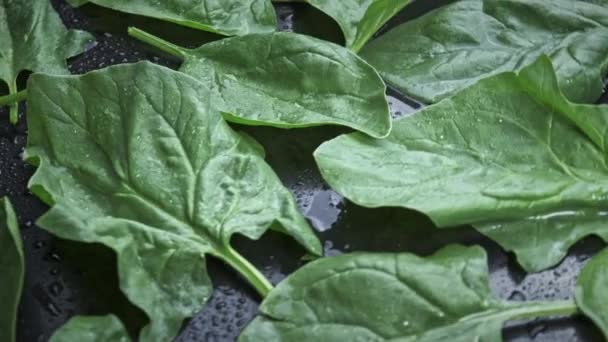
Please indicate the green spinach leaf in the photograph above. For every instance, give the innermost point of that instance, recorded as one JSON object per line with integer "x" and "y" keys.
{"x": 225, "y": 17}
{"x": 382, "y": 297}
{"x": 34, "y": 39}
{"x": 92, "y": 329}
{"x": 12, "y": 266}
{"x": 592, "y": 290}
{"x": 286, "y": 80}
{"x": 359, "y": 19}
{"x": 452, "y": 47}
{"x": 504, "y": 155}
{"x": 152, "y": 171}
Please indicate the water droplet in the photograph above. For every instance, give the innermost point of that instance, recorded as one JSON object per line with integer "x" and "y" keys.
{"x": 517, "y": 295}
{"x": 536, "y": 330}
{"x": 55, "y": 288}
{"x": 53, "y": 309}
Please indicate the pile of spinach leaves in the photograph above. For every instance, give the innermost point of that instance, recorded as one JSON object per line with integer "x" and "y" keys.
{"x": 511, "y": 143}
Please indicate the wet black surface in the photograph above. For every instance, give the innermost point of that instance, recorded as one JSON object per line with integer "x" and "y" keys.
{"x": 66, "y": 278}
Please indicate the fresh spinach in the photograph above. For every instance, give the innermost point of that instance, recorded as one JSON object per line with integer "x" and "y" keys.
{"x": 388, "y": 296}
{"x": 592, "y": 291}
{"x": 504, "y": 155}
{"x": 382, "y": 297}
{"x": 359, "y": 19}
{"x": 92, "y": 329}
{"x": 12, "y": 268}
{"x": 152, "y": 171}
{"x": 452, "y": 47}
{"x": 286, "y": 80}
{"x": 34, "y": 39}
{"x": 225, "y": 17}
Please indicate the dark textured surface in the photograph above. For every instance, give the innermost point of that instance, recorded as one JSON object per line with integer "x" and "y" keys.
{"x": 66, "y": 278}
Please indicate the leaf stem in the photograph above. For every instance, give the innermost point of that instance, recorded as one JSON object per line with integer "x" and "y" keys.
{"x": 157, "y": 42}
{"x": 12, "y": 99}
{"x": 246, "y": 269}
{"x": 545, "y": 309}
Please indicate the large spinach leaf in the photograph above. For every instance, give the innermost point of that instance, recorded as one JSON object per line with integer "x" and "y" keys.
{"x": 152, "y": 171}
{"x": 92, "y": 329}
{"x": 226, "y": 17}
{"x": 11, "y": 271}
{"x": 452, "y": 47}
{"x": 359, "y": 19}
{"x": 504, "y": 155}
{"x": 33, "y": 38}
{"x": 286, "y": 80}
{"x": 381, "y": 297}
{"x": 592, "y": 291}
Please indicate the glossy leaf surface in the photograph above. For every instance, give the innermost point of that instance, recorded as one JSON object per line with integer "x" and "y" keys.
{"x": 286, "y": 80}
{"x": 504, "y": 155}
{"x": 452, "y": 47}
{"x": 11, "y": 271}
{"x": 592, "y": 291}
{"x": 33, "y": 38}
{"x": 152, "y": 171}
{"x": 226, "y": 17}
{"x": 386, "y": 297}
{"x": 92, "y": 329}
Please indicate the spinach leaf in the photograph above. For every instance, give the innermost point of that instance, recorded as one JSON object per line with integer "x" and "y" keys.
{"x": 382, "y": 297}
{"x": 12, "y": 266}
{"x": 592, "y": 290}
{"x": 452, "y": 47}
{"x": 359, "y": 19}
{"x": 225, "y": 17}
{"x": 34, "y": 39}
{"x": 92, "y": 329}
{"x": 503, "y": 155}
{"x": 286, "y": 80}
{"x": 152, "y": 171}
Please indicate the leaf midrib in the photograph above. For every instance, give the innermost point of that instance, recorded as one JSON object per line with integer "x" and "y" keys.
{"x": 206, "y": 238}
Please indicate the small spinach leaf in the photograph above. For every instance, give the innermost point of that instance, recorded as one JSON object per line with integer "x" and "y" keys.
{"x": 359, "y": 19}
{"x": 34, "y": 39}
{"x": 225, "y": 17}
{"x": 592, "y": 291}
{"x": 382, "y": 297}
{"x": 452, "y": 47}
{"x": 286, "y": 80}
{"x": 12, "y": 268}
{"x": 152, "y": 171}
{"x": 504, "y": 155}
{"x": 92, "y": 329}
